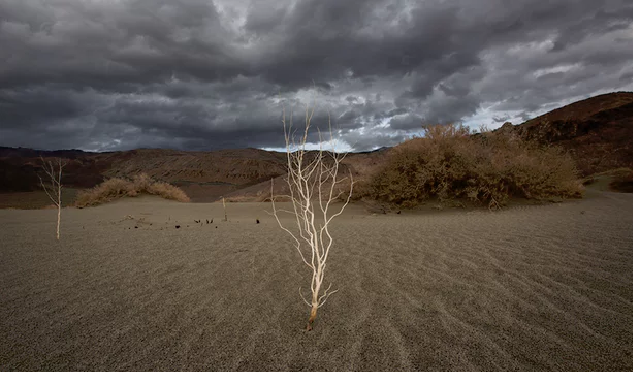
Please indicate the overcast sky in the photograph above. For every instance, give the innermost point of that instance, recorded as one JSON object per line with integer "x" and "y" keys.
{"x": 208, "y": 74}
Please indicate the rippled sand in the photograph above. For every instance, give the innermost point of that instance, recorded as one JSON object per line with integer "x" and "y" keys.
{"x": 531, "y": 288}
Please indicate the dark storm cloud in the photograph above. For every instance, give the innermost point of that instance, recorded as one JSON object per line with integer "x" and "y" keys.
{"x": 202, "y": 74}
{"x": 501, "y": 120}
{"x": 603, "y": 21}
{"x": 406, "y": 122}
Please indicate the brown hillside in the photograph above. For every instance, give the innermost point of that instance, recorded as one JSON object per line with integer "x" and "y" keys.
{"x": 205, "y": 176}
{"x": 20, "y": 173}
{"x": 597, "y": 131}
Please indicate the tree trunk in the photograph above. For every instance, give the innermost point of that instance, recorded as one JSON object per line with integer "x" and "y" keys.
{"x": 59, "y": 206}
{"x": 313, "y": 314}
{"x": 59, "y": 217}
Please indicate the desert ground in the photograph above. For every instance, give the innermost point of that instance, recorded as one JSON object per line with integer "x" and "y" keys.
{"x": 545, "y": 287}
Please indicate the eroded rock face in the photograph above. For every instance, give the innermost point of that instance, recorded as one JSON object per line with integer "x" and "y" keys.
{"x": 597, "y": 131}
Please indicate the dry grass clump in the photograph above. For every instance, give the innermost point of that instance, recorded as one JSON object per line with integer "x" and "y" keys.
{"x": 450, "y": 162}
{"x": 116, "y": 188}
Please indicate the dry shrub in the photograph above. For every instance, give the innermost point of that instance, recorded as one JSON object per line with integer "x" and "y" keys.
{"x": 168, "y": 191}
{"x": 116, "y": 188}
{"x": 111, "y": 189}
{"x": 449, "y": 162}
{"x": 141, "y": 182}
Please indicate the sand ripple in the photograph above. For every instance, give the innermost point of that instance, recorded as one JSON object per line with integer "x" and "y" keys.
{"x": 530, "y": 288}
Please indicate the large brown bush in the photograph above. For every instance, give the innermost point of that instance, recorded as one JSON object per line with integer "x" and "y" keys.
{"x": 117, "y": 188}
{"x": 450, "y": 162}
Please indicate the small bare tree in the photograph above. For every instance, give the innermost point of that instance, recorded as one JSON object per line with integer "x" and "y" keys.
{"x": 314, "y": 185}
{"x": 53, "y": 171}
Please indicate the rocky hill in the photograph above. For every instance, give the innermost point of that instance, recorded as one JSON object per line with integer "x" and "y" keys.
{"x": 597, "y": 131}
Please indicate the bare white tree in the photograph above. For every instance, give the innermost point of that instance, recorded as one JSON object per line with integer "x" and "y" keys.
{"x": 53, "y": 171}
{"x": 314, "y": 184}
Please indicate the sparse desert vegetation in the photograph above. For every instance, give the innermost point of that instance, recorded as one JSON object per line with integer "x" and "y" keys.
{"x": 146, "y": 284}
{"x": 594, "y": 132}
{"x": 449, "y": 163}
{"x": 116, "y": 188}
{"x": 200, "y": 228}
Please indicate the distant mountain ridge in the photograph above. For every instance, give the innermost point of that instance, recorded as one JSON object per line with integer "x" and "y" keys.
{"x": 21, "y": 152}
